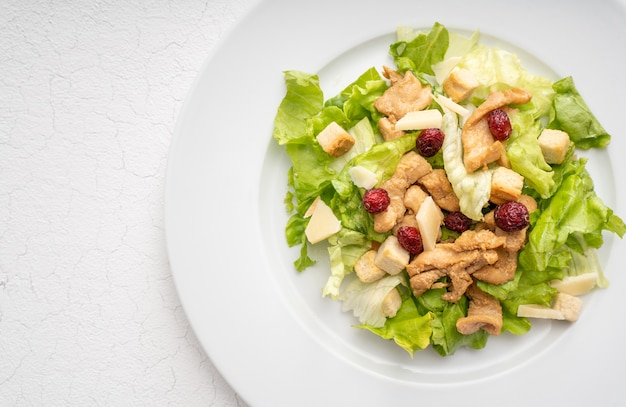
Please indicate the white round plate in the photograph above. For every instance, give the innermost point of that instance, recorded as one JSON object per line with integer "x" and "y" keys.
{"x": 266, "y": 326}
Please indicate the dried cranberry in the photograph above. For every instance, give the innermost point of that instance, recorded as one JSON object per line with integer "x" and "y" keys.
{"x": 511, "y": 216}
{"x": 429, "y": 142}
{"x": 410, "y": 239}
{"x": 376, "y": 200}
{"x": 457, "y": 222}
{"x": 499, "y": 124}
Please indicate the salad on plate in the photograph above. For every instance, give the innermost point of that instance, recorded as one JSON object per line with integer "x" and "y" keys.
{"x": 448, "y": 191}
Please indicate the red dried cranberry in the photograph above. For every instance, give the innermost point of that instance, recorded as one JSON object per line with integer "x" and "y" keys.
{"x": 499, "y": 124}
{"x": 429, "y": 142}
{"x": 511, "y": 216}
{"x": 457, "y": 222}
{"x": 410, "y": 239}
{"x": 376, "y": 200}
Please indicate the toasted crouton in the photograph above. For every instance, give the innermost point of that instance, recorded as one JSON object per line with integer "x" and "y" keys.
{"x": 391, "y": 303}
{"x": 506, "y": 185}
{"x": 459, "y": 85}
{"x": 335, "y": 140}
{"x": 554, "y": 145}
{"x": 366, "y": 270}
{"x": 569, "y": 305}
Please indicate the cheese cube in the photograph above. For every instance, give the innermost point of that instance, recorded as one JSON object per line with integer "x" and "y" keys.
{"x": 392, "y": 257}
{"x": 554, "y": 145}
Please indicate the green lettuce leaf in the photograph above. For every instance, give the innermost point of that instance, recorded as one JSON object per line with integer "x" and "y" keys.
{"x": 446, "y": 340}
{"x": 304, "y": 99}
{"x": 422, "y": 52}
{"x": 572, "y": 115}
{"x": 496, "y": 69}
{"x": 574, "y": 209}
{"x": 408, "y": 329}
{"x": 525, "y": 155}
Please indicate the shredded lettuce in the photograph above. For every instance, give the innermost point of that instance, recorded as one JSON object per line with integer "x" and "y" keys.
{"x": 496, "y": 69}
{"x": 365, "y": 299}
{"x": 409, "y": 329}
{"x": 345, "y": 248}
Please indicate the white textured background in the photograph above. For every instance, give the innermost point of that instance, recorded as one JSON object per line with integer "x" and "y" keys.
{"x": 89, "y": 96}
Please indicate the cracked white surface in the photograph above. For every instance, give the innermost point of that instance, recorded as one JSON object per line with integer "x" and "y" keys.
{"x": 89, "y": 95}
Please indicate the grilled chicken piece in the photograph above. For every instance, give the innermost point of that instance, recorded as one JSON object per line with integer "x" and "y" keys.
{"x": 479, "y": 146}
{"x": 485, "y": 312}
{"x": 403, "y": 96}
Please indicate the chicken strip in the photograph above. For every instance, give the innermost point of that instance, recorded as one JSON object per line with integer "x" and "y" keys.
{"x": 403, "y": 96}
{"x": 485, "y": 312}
{"x": 479, "y": 146}
{"x": 411, "y": 167}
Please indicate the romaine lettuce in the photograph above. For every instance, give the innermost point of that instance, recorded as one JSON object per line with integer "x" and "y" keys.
{"x": 365, "y": 299}
{"x": 496, "y": 69}
{"x": 473, "y": 189}
{"x": 408, "y": 329}
{"x": 525, "y": 155}
{"x": 572, "y": 115}
{"x": 422, "y": 52}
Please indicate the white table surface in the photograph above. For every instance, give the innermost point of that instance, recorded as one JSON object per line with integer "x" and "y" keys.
{"x": 89, "y": 96}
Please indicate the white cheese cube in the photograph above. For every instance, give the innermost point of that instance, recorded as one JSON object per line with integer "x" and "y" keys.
{"x": 392, "y": 257}
{"x": 323, "y": 223}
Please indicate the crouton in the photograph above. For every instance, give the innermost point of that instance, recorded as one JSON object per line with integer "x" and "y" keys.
{"x": 335, "y": 140}
{"x": 459, "y": 85}
{"x": 391, "y": 303}
{"x": 569, "y": 305}
{"x": 392, "y": 257}
{"x": 554, "y": 145}
{"x": 506, "y": 185}
{"x": 366, "y": 270}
